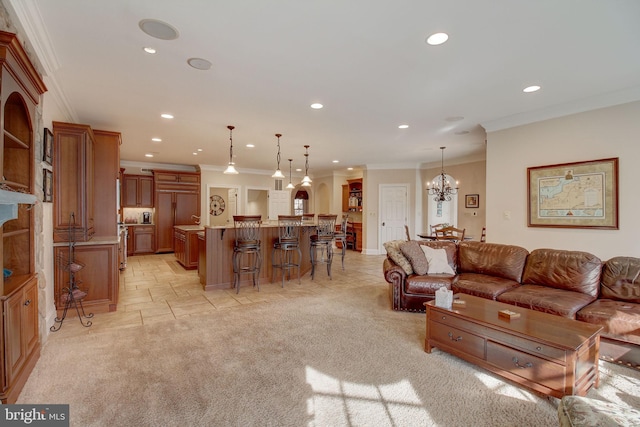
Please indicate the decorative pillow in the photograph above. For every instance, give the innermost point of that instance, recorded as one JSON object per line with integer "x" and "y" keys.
{"x": 393, "y": 251}
{"x": 411, "y": 250}
{"x": 437, "y": 259}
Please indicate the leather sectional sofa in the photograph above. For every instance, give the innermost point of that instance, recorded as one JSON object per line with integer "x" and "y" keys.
{"x": 572, "y": 284}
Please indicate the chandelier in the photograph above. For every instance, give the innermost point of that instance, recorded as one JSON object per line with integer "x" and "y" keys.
{"x": 290, "y": 186}
{"x": 440, "y": 187}
{"x": 231, "y": 168}
{"x": 306, "y": 181}
{"x": 278, "y": 173}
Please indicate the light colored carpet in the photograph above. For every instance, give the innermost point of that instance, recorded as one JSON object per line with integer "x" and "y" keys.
{"x": 340, "y": 358}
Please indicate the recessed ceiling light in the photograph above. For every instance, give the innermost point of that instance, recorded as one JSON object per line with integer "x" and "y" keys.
{"x": 199, "y": 63}
{"x": 156, "y": 139}
{"x": 250, "y": 146}
{"x": 199, "y": 149}
{"x": 316, "y": 106}
{"x": 158, "y": 29}
{"x": 437, "y": 38}
{"x": 349, "y": 169}
{"x": 403, "y": 126}
{"x": 166, "y": 116}
{"x": 454, "y": 118}
{"x": 148, "y": 155}
{"x": 336, "y": 161}
{"x": 533, "y": 88}
{"x": 149, "y": 50}
{"x": 298, "y": 170}
{"x": 195, "y": 154}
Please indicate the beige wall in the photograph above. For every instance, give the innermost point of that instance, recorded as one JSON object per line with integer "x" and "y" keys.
{"x": 597, "y": 134}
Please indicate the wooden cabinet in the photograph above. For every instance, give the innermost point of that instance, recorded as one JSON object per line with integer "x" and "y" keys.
{"x": 21, "y": 341}
{"x": 21, "y": 89}
{"x": 354, "y": 235}
{"x": 144, "y": 239}
{"x": 130, "y": 240}
{"x": 99, "y": 278}
{"x": 73, "y": 182}
{"x": 177, "y": 202}
{"x": 137, "y": 191}
{"x": 186, "y": 245}
{"x": 352, "y": 196}
{"x": 106, "y": 172}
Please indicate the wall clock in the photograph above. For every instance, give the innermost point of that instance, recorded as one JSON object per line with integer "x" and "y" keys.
{"x": 216, "y": 206}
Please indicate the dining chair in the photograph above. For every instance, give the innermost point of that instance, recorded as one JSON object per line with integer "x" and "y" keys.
{"x": 450, "y": 233}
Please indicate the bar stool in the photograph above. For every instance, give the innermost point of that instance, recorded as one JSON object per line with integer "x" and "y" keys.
{"x": 288, "y": 241}
{"x": 247, "y": 230}
{"x": 341, "y": 237}
{"x": 323, "y": 241}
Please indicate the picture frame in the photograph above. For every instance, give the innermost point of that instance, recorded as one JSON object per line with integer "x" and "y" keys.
{"x": 47, "y": 146}
{"x": 472, "y": 201}
{"x": 574, "y": 195}
{"x": 47, "y": 185}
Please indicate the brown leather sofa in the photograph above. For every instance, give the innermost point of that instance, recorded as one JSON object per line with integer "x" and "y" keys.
{"x": 571, "y": 284}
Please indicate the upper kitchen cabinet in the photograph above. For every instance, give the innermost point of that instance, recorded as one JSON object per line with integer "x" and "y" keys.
{"x": 137, "y": 191}
{"x": 106, "y": 172}
{"x": 73, "y": 182}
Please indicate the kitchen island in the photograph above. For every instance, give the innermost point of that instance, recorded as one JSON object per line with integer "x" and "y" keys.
{"x": 215, "y": 246}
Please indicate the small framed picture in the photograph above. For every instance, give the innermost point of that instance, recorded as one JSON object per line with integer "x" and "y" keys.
{"x": 472, "y": 201}
{"x": 47, "y": 146}
{"x": 47, "y": 185}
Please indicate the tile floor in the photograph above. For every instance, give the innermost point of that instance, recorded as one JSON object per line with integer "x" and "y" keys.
{"x": 155, "y": 288}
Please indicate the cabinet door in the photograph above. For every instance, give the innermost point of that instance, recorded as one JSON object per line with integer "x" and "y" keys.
{"x": 186, "y": 207}
{"x": 145, "y": 192}
{"x": 30, "y": 316}
{"x": 14, "y": 349}
{"x": 165, "y": 211}
{"x": 144, "y": 240}
{"x": 129, "y": 241}
{"x": 129, "y": 191}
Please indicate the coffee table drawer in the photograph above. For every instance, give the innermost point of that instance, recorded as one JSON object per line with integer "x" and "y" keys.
{"x": 454, "y": 338}
{"x": 529, "y": 345}
{"x": 527, "y": 366}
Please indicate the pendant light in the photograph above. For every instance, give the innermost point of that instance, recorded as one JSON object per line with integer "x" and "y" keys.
{"x": 290, "y": 186}
{"x": 278, "y": 173}
{"x": 306, "y": 181}
{"x": 231, "y": 170}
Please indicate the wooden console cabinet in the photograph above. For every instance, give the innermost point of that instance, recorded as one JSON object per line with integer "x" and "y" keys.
{"x": 550, "y": 354}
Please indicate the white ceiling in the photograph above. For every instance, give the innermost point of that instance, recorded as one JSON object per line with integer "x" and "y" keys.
{"x": 365, "y": 60}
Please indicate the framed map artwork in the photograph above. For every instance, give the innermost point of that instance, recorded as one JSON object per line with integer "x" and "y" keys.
{"x": 574, "y": 195}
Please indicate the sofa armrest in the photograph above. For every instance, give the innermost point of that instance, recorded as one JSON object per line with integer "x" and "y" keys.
{"x": 393, "y": 273}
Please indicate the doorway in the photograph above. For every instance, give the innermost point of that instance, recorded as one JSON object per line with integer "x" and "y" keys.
{"x": 394, "y": 208}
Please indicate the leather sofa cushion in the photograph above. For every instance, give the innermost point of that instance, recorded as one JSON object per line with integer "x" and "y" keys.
{"x": 548, "y": 300}
{"x": 481, "y": 285}
{"x": 620, "y": 319}
{"x": 427, "y": 285}
{"x": 567, "y": 270}
{"x": 621, "y": 279}
{"x": 493, "y": 259}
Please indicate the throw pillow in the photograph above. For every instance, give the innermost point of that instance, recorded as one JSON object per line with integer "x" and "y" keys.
{"x": 393, "y": 251}
{"x": 411, "y": 250}
{"x": 438, "y": 262}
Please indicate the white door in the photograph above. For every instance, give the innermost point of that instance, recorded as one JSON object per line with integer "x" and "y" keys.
{"x": 279, "y": 203}
{"x": 393, "y": 212}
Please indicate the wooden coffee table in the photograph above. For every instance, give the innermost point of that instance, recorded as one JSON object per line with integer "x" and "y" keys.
{"x": 549, "y": 354}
